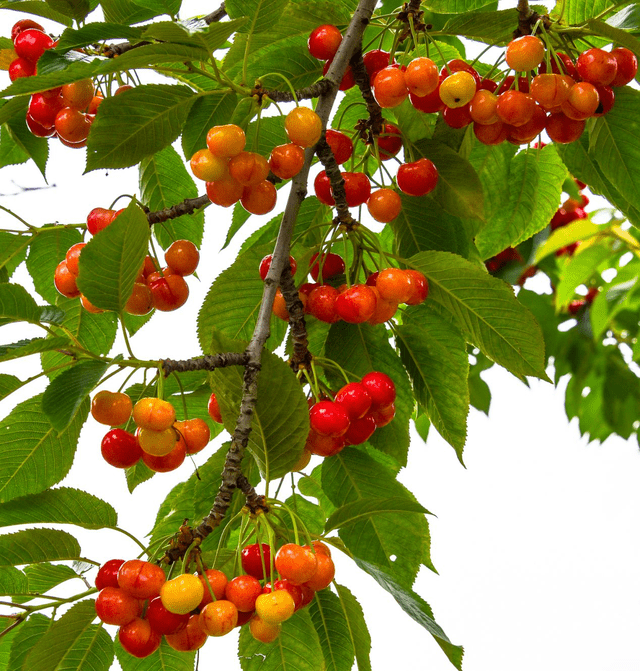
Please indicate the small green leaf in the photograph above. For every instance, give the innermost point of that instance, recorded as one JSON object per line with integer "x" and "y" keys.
{"x": 36, "y": 148}
{"x": 581, "y": 229}
{"x": 10, "y": 151}
{"x": 476, "y": 26}
{"x": 211, "y": 110}
{"x": 16, "y": 304}
{"x": 359, "y": 634}
{"x": 75, "y": 9}
{"x": 91, "y": 33}
{"x": 263, "y": 14}
{"x": 33, "y": 346}
{"x": 330, "y": 622}
{"x": 12, "y": 581}
{"x": 32, "y": 546}
{"x": 43, "y": 577}
{"x": 112, "y": 259}
{"x": 138, "y": 474}
{"x": 8, "y": 384}
{"x": 456, "y": 6}
{"x": 579, "y": 269}
{"x": 62, "y": 506}
{"x": 363, "y": 509}
{"x": 165, "y": 658}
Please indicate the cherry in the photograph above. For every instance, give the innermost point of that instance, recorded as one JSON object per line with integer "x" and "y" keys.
{"x": 89, "y": 306}
{"x": 550, "y": 90}
{"x": 141, "y": 300}
{"x": 195, "y": 433}
{"x": 141, "y": 579}
{"x": 252, "y": 559}
{"x": 348, "y": 79}
{"x": 322, "y": 188}
{"x": 515, "y": 107}
{"x": 384, "y": 205}
{"x": 169, "y": 292}
{"x": 207, "y": 166}
{"x": 360, "y": 430}
{"x": 31, "y": 44}
{"x": 111, "y": 408}
{"x": 525, "y": 53}
{"x": 374, "y": 61}
{"x": 487, "y": 85}
{"x": 493, "y": 134}
{"x": 389, "y": 87}
{"x": 384, "y": 309}
{"x": 394, "y": 285}
{"x": 430, "y": 103}
{"x": 243, "y": 591}
{"x": 164, "y": 621}
{"x": 265, "y": 264}
{"x": 65, "y": 281}
{"x": 225, "y": 192}
{"x": 355, "y": 399}
{"x": 627, "y": 66}
{"x": 157, "y": 443}
{"x": 279, "y": 307}
{"x": 72, "y": 126}
{"x": 154, "y": 413}
{"x": 302, "y": 462}
{"x": 108, "y": 574}
{"x": 78, "y": 94}
{"x": 380, "y": 388}
{"x": 115, "y": 606}
{"x": 138, "y": 638}
{"x": 324, "y": 574}
{"x": 417, "y": 178}
{"x": 218, "y": 618}
{"x": 530, "y": 130}
{"x": 389, "y": 141}
{"x": 44, "y": 110}
{"x": 98, "y": 219}
{"x": 508, "y": 83}
{"x": 260, "y": 198}
{"x": 575, "y": 306}
{"x": 226, "y": 141}
{"x": 568, "y": 66}
{"x": 182, "y": 257}
{"x": 303, "y": 126}
{"x": 482, "y": 108}
{"x": 296, "y": 563}
{"x": 293, "y": 589}
{"x": 286, "y": 160}
{"x": 319, "y": 547}
{"x": 37, "y": 129}
{"x": 421, "y": 76}
{"x": 276, "y": 606}
{"x": 21, "y": 67}
{"x": 457, "y": 117}
{"x": 357, "y": 188}
{"x": 328, "y": 419}
{"x": 248, "y": 168}
{"x": 330, "y": 264}
{"x": 458, "y": 65}
{"x": 263, "y": 631}
{"x": 322, "y": 303}
{"x": 21, "y": 25}
{"x": 191, "y": 638}
{"x": 324, "y": 41}
{"x": 182, "y": 594}
{"x": 214, "y": 409}
{"x": 607, "y": 98}
{"x": 384, "y": 414}
{"x": 324, "y": 446}
{"x": 218, "y": 583}
{"x": 356, "y": 305}
{"x": 420, "y": 287}
{"x": 95, "y": 103}
{"x": 458, "y": 89}
{"x": 168, "y": 462}
{"x": 596, "y": 66}
{"x": 122, "y": 89}
{"x": 582, "y": 102}
{"x": 340, "y": 144}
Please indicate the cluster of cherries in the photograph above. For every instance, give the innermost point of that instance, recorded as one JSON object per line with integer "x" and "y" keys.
{"x": 65, "y": 111}
{"x": 164, "y": 289}
{"x": 136, "y": 596}
{"x": 358, "y": 409}
{"x": 160, "y": 441}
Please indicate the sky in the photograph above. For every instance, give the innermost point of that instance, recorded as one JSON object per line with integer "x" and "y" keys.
{"x": 535, "y": 541}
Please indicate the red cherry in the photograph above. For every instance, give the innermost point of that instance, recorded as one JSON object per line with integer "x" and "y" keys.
{"x": 340, "y": 144}
{"x": 44, "y": 110}
{"x": 162, "y": 620}
{"x": 324, "y": 446}
{"x": 120, "y": 449}
{"x": 357, "y": 188}
{"x": 458, "y": 65}
{"x": 389, "y": 141}
{"x": 322, "y": 303}
{"x": 355, "y": 399}
{"x": 383, "y": 415}
{"x": 99, "y": 218}
{"x": 108, "y": 574}
{"x": 389, "y": 87}
{"x": 265, "y": 264}
{"x": 169, "y": 292}
{"x": 374, "y": 61}
{"x": 607, "y": 98}
{"x": 115, "y": 606}
{"x": 348, "y": 80}
{"x": 357, "y": 304}
{"x": 31, "y": 44}
{"x": 329, "y": 419}
{"x": 380, "y": 388}
{"x": 322, "y": 188}
{"x": 243, "y": 591}
{"x": 428, "y": 104}
{"x": 168, "y": 462}
{"x": 627, "y": 66}
{"x": 252, "y": 559}
{"x": 562, "y": 129}
{"x": 138, "y": 638}
{"x": 457, "y": 117}
{"x": 360, "y": 430}
{"x": 597, "y": 67}
{"x": 21, "y": 25}
{"x": 141, "y": 579}
{"x": 213, "y": 409}
{"x": 324, "y": 41}
{"x": 332, "y": 265}
{"x": 417, "y": 178}
{"x": 21, "y": 67}
{"x": 39, "y": 130}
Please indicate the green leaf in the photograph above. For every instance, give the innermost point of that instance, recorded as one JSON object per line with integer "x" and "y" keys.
{"x": 17, "y": 305}
{"x": 486, "y": 311}
{"x": 535, "y": 185}
{"x": 164, "y": 181}
{"x": 43, "y": 577}
{"x": 137, "y": 123}
{"x": 32, "y": 346}
{"x": 360, "y": 349}
{"x": 28, "y": 635}
{"x": 36, "y": 148}
{"x": 5, "y": 648}
{"x": 8, "y": 384}
{"x": 233, "y": 301}
{"x": 170, "y": 7}
{"x": 263, "y": 14}
{"x": 165, "y": 658}
{"x": 13, "y": 249}
{"x": 46, "y": 251}
{"x": 459, "y": 190}
{"x": 363, "y": 509}
{"x": 416, "y": 608}
{"x": 62, "y": 506}
{"x": 479, "y": 394}
{"x": 280, "y": 420}
{"x": 211, "y": 110}
{"x": 126, "y": 11}
{"x": 34, "y": 455}
{"x": 580, "y": 229}
{"x": 10, "y": 108}
{"x": 12, "y": 581}
{"x": 477, "y": 26}
{"x": 579, "y": 269}
{"x": 37, "y": 7}
{"x": 352, "y": 476}
{"x": 296, "y": 649}
{"x": 75, "y": 9}
{"x": 613, "y": 143}
{"x": 66, "y": 393}
{"x": 359, "y": 634}
{"x": 331, "y": 624}
{"x": 619, "y": 37}
{"x": 138, "y": 474}
{"x": 435, "y": 356}
{"x": 627, "y": 18}
{"x": 91, "y": 33}
{"x": 10, "y": 151}
{"x": 455, "y": 6}
{"x": 73, "y": 643}
{"x": 112, "y": 259}
{"x": 32, "y": 546}
{"x": 577, "y": 11}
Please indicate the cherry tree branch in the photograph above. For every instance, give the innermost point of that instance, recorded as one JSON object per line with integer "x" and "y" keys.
{"x": 207, "y": 362}
{"x": 187, "y": 206}
{"x": 301, "y": 357}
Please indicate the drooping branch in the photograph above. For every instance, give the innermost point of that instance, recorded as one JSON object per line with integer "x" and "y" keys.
{"x": 187, "y": 206}
{"x": 207, "y": 362}
{"x": 232, "y": 475}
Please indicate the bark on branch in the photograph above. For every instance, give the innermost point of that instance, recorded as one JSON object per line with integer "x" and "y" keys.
{"x": 207, "y": 362}
{"x": 187, "y": 206}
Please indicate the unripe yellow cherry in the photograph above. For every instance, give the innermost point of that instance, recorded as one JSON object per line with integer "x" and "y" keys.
{"x": 458, "y": 89}
{"x": 303, "y": 126}
{"x": 263, "y": 631}
{"x": 182, "y": 594}
{"x": 275, "y": 607}
{"x": 208, "y": 167}
{"x": 154, "y": 413}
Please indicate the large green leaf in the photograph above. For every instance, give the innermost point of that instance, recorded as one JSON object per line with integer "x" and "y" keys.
{"x": 280, "y": 420}
{"x": 331, "y": 623}
{"x": 363, "y": 509}
{"x": 36, "y": 148}
{"x": 233, "y": 301}
{"x": 416, "y": 608}
{"x": 360, "y": 349}
{"x": 73, "y": 643}
{"x": 95, "y": 32}
{"x": 32, "y": 546}
{"x": 66, "y": 393}
{"x": 112, "y": 259}
{"x": 34, "y": 455}
{"x": 477, "y": 25}
{"x": 359, "y": 634}
{"x": 486, "y": 311}
{"x": 296, "y": 649}
{"x": 22, "y": 348}
{"x": 211, "y": 110}
{"x": 164, "y": 181}
{"x": 43, "y": 577}
{"x": 137, "y": 123}
{"x": 37, "y": 7}
{"x": 17, "y": 305}
{"x": 165, "y": 658}
{"x": 535, "y": 184}
{"x": 263, "y": 14}
{"x": 12, "y": 581}
{"x": 455, "y": 6}
{"x": 613, "y": 143}
{"x": 28, "y": 635}
{"x": 63, "y": 506}
{"x": 352, "y": 476}
{"x": 435, "y": 356}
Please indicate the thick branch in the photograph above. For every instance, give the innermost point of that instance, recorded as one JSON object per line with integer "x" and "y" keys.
{"x": 527, "y": 18}
{"x": 313, "y": 91}
{"x": 187, "y": 206}
{"x": 372, "y": 127}
{"x": 301, "y": 357}
{"x": 207, "y": 362}
{"x": 328, "y": 160}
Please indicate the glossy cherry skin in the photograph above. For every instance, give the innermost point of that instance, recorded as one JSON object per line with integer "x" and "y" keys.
{"x": 515, "y": 107}
{"x": 169, "y": 293}
{"x": 195, "y": 433}
{"x": 627, "y": 66}
{"x": 98, "y": 219}
{"x": 141, "y": 579}
{"x": 389, "y": 141}
{"x": 263, "y": 631}
{"x": 328, "y": 419}
{"x": 218, "y": 618}
{"x": 214, "y": 409}
{"x": 286, "y": 160}
{"x": 182, "y": 257}
{"x": 374, "y": 61}
{"x": 340, "y": 144}
{"x": 31, "y": 44}
{"x": 418, "y": 178}
{"x": 322, "y": 303}
{"x": 597, "y": 67}
{"x": 360, "y": 430}
{"x": 265, "y": 264}
{"x": 252, "y": 559}
{"x": 108, "y": 574}
{"x": 383, "y": 414}
{"x": 169, "y": 462}
{"x": 260, "y": 198}
{"x": 21, "y": 67}
{"x": 324, "y": 574}
{"x": 525, "y": 53}
{"x": 332, "y": 265}
{"x": 384, "y": 205}
{"x": 243, "y": 591}
{"x": 21, "y": 25}
{"x": 380, "y": 387}
{"x": 356, "y": 305}
{"x": 226, "y": 140}
{"x": 38, "y": 129}
{"x": 217, "y": 581}
{"x": 389, "y": 87}
{"x": 163, "y": 621}
{"x": 115, "y": 606}
{"x": 120, "y": 448}
{"x": 192, "y": 637}
{"x": 44, "y": 110}
{"x": 111, "y": 408}
{"x": 139, "y": 639}
{"x": 303, "y": 126}
{"x": 324, "y": 41}
{"x": 420, "y": 287}
{"x": 154, "y": 413}
{"x": 421, "y": 76}
{"x": 355, "y": 399}
{"x": 324, "y": 446}
{"x": 357, "y": 188}
{"x": 322, "y": 188}
{"x": 296, "y": 563}
{"x": 428, "y": 104}
{"x": 65, "y": 281}
{"x": 224, "y": 192}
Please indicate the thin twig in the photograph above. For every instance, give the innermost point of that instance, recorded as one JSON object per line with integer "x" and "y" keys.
{"x": 187, "y": 206}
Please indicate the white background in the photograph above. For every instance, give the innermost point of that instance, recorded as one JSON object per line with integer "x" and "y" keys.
{"x": 536, "y": 541}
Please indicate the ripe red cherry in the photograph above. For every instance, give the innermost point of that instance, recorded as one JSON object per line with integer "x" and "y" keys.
{"x": 120, "y": 448}
{"x": 428, "y": 104}
{"x": 21, "y": 67}
{"x": 217, "y": 580}
{"x": 357, "y": 188}
{"x": 72, "y": 125}
{"x": 23, "y": 24}
{"x": 162, "y": 620}
{"x": 394, "y": 285}
{"x": 525, "y": 53}
{"x": 530, "y": 130}
{"x": 37, "y": 129}
{"x": 65, "y": 281}
{"x": 108, "y": 574}
{"x": 191, "y": 638}
{"x": 417, "y": 178}
{"x": 214, "y": 409}
{"x": 582, "y": 102}
{"x": 607, "y": 98}
{"x": 562, "y": 129}
{"x": 355, "y": 399}
{"x": 329, "y": 419}
{"x": 243, "y": 591}
{"x": 296, "y": 563}
{"x": 99, "y": 218}
{"x": 457, "y": 117}
{"x": 324, "y": 446}
{"x": 597, "y": 67}
{"x": 340, "y": 144}
{"x": 115, "y": 606}
{"x": 322, "y": 188}
{"x": 357, "y": 304}
{"x": 389, "y": 141}
{"x": 169, "y": 292}
{"x": 141, "y": 579}
{"x": 259, "y": 198}
{"x": 384, "y": 414}
{"x": 421, "y": 76}
{"x": 515, "y": 107}
{"x": 324, "y": 41}
{"x": 389, "y": 87}
{"x": 31, "y": 44}
{"x": 322, "y": 303}
{"x": 420, "y": 287}
{"x": 360, "y": 430}
{"x": 44, "y": 110}
{"x": 265, "y": 264}
{"x": 293, "y": 589}
{"x": 332, "y": 265}
{"x": 168, "y": 462}
{"x": 384, "y": 205}
{"x": 374, "y": 61}
{"x": 252, "y": 560}
{"x": 348, "y": 80}
{"x": 182, "y": 257}
{"x": 380, "y": 388}
{"x": 286, "y": 160}
{"x": 627, "y": 66}
{"x": 138, "y": 638}
{"x": 458, "y": 65}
